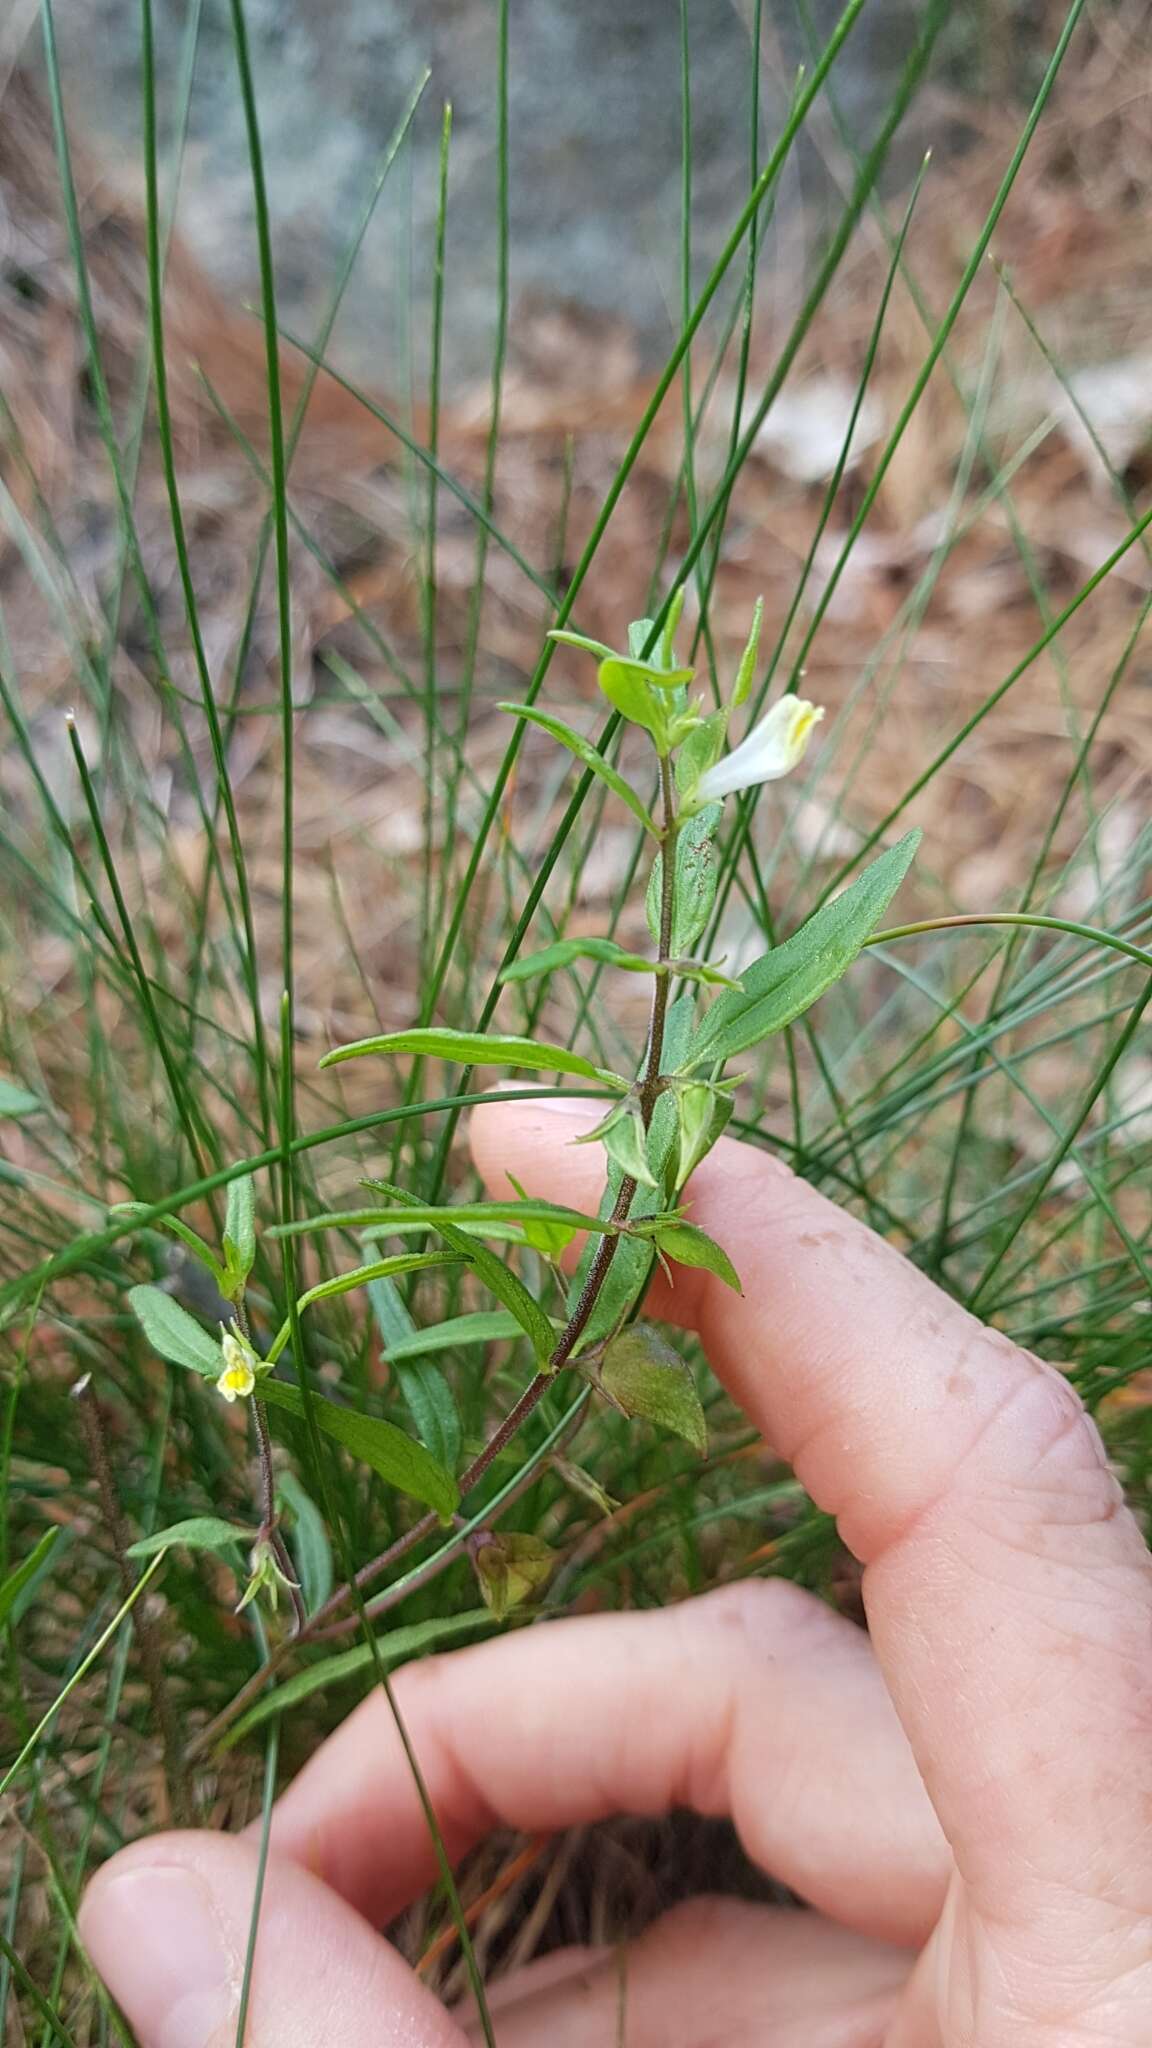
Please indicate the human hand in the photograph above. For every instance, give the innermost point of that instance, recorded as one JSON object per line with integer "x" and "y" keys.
{"x": 965, "y": 1798}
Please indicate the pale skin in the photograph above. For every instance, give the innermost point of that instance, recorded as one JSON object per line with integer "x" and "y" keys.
{"x": 964, "y": 1796}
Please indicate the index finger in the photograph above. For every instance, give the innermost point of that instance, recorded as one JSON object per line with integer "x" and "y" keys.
{"x": 1009, "y": 1590}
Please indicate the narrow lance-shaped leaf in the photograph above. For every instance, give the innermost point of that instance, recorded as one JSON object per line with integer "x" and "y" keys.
{"x": 567, "y": 639}
{"x": 566, "y": 951}
{"x": 480, "y": 1326}
{"x": 589, "y": 757}
{"x": 360, "y": 1276}
{"x": 485, "y": 1217}
{"x": 201, "y": 1532}
{"x": 497, "y": 1277}
{"x": 501, "y": 1281}
{"x": 17, "y": 1101}
{"x": 308, "y": 1540}
{"x": 667, "y": 648}
{"x": 474, "y": 1049}
{"x": 240, "y": 1233}
{"x": 173, "y": 1332}
{"x": 24, "y": 1573}
{"x": 788, "y": 980}
{"x": 399, "y": 1459}
{"x": 426, "y": 1391}
{"x": 188, "y": 1237}
{"x": 625, "y": 1142}
{"x": 398, "y": 1646}
{"x": 742, "y": 687}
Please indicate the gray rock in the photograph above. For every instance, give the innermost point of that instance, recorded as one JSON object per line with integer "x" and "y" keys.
{"x": 595, "y": 160}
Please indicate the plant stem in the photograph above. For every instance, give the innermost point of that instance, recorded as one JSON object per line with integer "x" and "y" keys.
{"x": 269, "y": 1529}
{"x": 269, "y": 1520}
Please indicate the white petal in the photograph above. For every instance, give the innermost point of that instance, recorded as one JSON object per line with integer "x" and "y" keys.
{"x": 770, "y": 750}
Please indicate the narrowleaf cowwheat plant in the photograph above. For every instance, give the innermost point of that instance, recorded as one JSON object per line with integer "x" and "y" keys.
{"x": 660, "y": 1122}
{"x": 394, "y": 1421}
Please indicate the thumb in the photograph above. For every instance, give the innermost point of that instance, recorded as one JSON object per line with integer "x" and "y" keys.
{"x": 167, "y": 1922}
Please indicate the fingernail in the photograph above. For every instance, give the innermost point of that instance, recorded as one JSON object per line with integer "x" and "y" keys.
{"x": 159, "y": 1945}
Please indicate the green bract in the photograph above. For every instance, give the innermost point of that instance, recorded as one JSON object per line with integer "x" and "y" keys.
{"x": 645, "y": 1377}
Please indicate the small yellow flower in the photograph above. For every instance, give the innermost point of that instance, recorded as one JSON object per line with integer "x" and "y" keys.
{"x": 238, "y": 1378}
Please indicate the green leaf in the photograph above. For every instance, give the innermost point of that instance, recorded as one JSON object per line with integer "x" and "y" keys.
{"x": 702, "y": 747}
{"x": 629, "y": 687}
{"x": 691, "y": 1246}
{"x": 625, "y": 1142}
{"x": 497, "y": 1277}
{"x": 201, "y": 1532}
{"x": 240, "y": 1232}
{"x": 17, "y": 1101}
{"x": 398, "y": 1459}
{"x": 651, "y": 672}
{"x": 311, "y": 1550}
{"x": 174, "y": 1333}
{"x": 508, "y": 1288}
{"x": 667, "y": 650}
{"x": 578, "y": 640}
{"x": 747, "y": 669}
{"x": 703, "y": 972}
{"x": 589, "y": 757}
{"x": 788, "y": 980}
{"x": 23, "y": 1573}
{"x": 486, "y": 1218}
{"x": 695, "y": 890}
{"x": 425, "y": 1390}
{"x": 542, "y": 1234}
{"x": 391, "y": 1313}
{"x": 511, "y": 1568}
{"x": 360, "y": 1276}
{"x": 645, "y": 1377}
{"x": 187, "y": 1236}
{"x": 433, "y": 1410}
{"x": 484, "y": 1326}
{"x": 399, "y": 1646}
{"x": 565, "y": 951}
{"x": 473, "y": 1049}
{"x": 582, "y": 1482}
{"x": 702, "y": 1112}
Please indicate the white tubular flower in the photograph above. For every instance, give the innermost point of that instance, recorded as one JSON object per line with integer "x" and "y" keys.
{"x": 238, "y": 1378}
{"x": 772, "y": 748}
